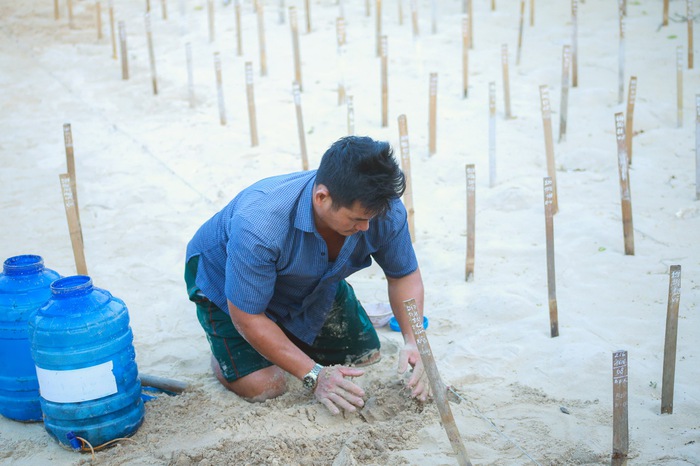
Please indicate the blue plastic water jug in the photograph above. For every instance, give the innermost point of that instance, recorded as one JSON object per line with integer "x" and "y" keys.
{"x": 82, "y": 346}
{"x": 24, "y": 288}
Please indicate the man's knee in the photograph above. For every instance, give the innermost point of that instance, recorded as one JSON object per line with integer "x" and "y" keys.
{"x": 258, "y": 386}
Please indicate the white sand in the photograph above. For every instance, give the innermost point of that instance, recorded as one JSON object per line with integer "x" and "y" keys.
{"x": 150, "y": 169}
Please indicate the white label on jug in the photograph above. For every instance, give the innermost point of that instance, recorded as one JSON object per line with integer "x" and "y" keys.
{"x": 72, "y": 386}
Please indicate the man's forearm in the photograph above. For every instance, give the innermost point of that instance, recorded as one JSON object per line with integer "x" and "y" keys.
{"x": 400, "y": 290}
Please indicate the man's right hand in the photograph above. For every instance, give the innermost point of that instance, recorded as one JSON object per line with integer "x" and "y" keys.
{"x": 336, "y": 392}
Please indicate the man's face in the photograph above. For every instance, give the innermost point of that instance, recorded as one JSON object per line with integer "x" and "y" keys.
{"x": 348, "y": 221}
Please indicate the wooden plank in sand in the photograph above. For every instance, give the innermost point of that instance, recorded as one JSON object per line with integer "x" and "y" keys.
{"x": 432, "y": 124}
{"x": 670, "y": 342}
{"x": 406, "y": 168}
{"x": 296, "y": 93}
{"x": 620, "y": 409}
{"x": 471, "y": 221}
{"x": 76, "y": 235}
{"x": 626, "y": 197}
{"x": 548, "y": 188}
{"x": 295, "y": 46}
{"x": 629, "y": 121}
{"x": 250, "y": 96}
{"x": 506, "y": 81}
{"x": 220, "y": 88}
{"x": 122, "y": 49}
{"x": 549, "y": 143}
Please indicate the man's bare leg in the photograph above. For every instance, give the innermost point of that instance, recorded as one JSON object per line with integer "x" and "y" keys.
{"x": 261, "y": 385}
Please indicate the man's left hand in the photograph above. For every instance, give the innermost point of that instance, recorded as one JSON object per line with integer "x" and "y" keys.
{"x": 418, "y": 381}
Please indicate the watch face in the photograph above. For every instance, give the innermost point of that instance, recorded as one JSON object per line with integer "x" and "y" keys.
{"x": 309, "y": 381}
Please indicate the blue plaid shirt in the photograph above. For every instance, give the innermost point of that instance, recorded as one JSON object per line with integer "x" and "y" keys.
{"x": 262, "y": 252}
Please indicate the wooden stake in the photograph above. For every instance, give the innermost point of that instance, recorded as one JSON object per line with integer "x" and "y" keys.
{"x": 438, "y": 387}
{"x": 148, "y": 6}
{"x": 433, "y": 16}
{"x": 471, "y": 222}
{"x": 532, "y": 13}
{"x": 414, "y": 18}
{"x": 574, "y": 43}
{"x": 113, "y": 36}
{"x": 548, "y": 143}
{"x": 378, "y": 28}
{"x": 564, "y": 104}
{"x": 151, "y": 53}
{"x": 190, "y": 74}
{"x": 340, "y": 35}
{"x": 620, "y": 408}
{"x": 470, "y": 14}
{"x": 282, "y": 8}
{"x": 164, "y": 9}
{"x": 367, "y": 8}
{"x": 548, "y": 187}
{"x": 76, "y": 235}
{"x": 465, "y": 57}
{"x": 432, "y": 130}
{"x": 307, "y": 6}
{"x": 689, "y": 14}
{"x": 492, "y": 134}
{"x": 520, "y": 31}
{"x": 400, "y": 5}
{"x": 98, "y": 10}
{"x": 295, "y": 46}
{"x": 220, "y": 88}
{"x": 239, "y": 32}
{"x": 621, "y": 55}
{"x": 70, "y": 165}
{"x": 251, "y": 101}
{"x": 351, "y": 115}
{"x": 56, "y": 12}
{"x": 406, "y": 167}
{"x": 506, "y": 81}
{"x": 296, "y": 92}
{"x": 70, "y": 14}
{"x": 697, "y": 146}
{"x": 385, "y": 83}
{"x": 210, "y": 15}
{"x": 629, "y": 131}
{"x": 261, "y": 38}
{"x": 665, "y": 18}
{"x": 669, "y": 372}
{"x": 122, "y": 48}
{"x": 625, "y": 195}
{"x": 679, "y": 85}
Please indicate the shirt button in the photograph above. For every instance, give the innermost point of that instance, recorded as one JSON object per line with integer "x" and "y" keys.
{"x": 323, "y": 253}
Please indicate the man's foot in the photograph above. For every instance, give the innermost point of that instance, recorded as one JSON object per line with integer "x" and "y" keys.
{"x": 367, "y": 359}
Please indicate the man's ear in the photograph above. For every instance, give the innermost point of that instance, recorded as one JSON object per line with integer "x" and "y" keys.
{"x": 321, "y": 194}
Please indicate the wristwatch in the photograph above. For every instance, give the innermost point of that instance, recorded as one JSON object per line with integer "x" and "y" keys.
{"x": 311, "y": 378}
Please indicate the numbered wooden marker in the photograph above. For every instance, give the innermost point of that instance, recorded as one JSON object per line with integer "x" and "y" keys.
{"x": 385, "y": 83}
{"x": 341, "y": 38}
{"x": 697, "y": 146}
{"x": 689, "y": 15}
{"x": 296, "y": 93}
{"x": 251, "y": 101}
{"x": 210, "y": 16}
{"x": 414, "y": 18}
{"x": 548, "y": 143}
{"x": 261, "y": 38}
{"x": 679, "y": 85}
{"x": 520, "y": 31}
{"x": 665, "y": 18}
{"x": 574, "y": 43}
{"x": 506, "y": 81}
{"x": 351, "y": 115}
{"x": 564, "y": 104}
{"x": 548, "y": 187}
{"x": 295, "y": 45}
{"x": 239, "y": 31}
{"x": 621, "y": 55}
{"x": 438, "y": 387}
{"x": 471, "y": 222}
{"x": 378, "y": 28}
{"x": 492, "y": 134}
{"x": 76, "y": 235}
{"x": 626, "y": 197}
{"x": 432, "y": 130}
{"x": 151, "y": 53}
{"x": 122, "y": 48}
{"x": 465, "y": 57}
{"x": 98, "y": 14}
{"x": 669, "y": 372}
{"x": 70, "y": 164}
{"x": 190, "y": 74}
{"x": 406, "y": 167}
{"x": 620, "y": 408}
{"x": 220, "y": 88}
{"x": 307, "y": 8}
{"x": 113, "y": 35}
{"x": 629, "y": 125}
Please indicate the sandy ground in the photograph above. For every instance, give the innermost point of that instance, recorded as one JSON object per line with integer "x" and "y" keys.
{"x": 150, "y": 169}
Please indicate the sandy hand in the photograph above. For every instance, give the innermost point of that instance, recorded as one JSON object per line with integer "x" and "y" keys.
{"x": 419, "y": 378}
{"x": 336, "y": 392}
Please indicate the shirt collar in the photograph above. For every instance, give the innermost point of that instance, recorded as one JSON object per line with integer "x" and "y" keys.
{"x": 304, "y": 219}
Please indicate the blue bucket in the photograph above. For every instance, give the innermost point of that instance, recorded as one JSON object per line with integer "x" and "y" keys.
{"x": 24, "y": 288}
{"x": 82, "y": 346}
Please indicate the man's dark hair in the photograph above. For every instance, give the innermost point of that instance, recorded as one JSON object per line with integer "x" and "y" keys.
{"x": 361, "y": 169}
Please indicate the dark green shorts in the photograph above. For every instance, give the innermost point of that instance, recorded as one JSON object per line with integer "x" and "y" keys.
{"x": 346, "y": 337}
